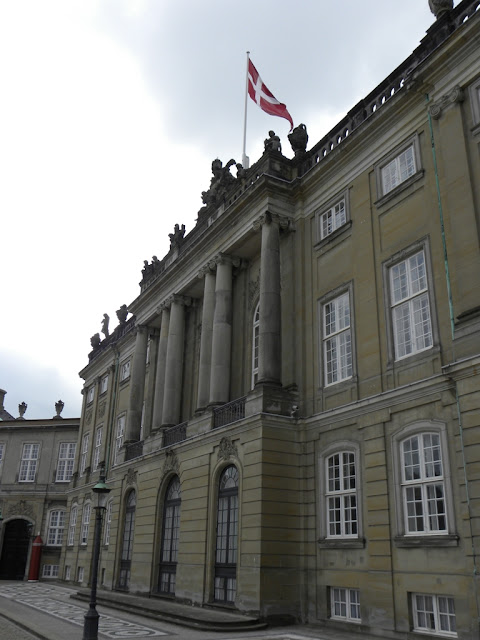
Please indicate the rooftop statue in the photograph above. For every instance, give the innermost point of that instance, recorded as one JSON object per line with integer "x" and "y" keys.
{"x": 21, "y": 410}
{"x": 273, "y": 142}
{"x": 105, "y": 321}
{"x": 221, "y": 180}
{"x": 122, "y": 313}
{"x": 241, "y": 172}
{"x": 176, "y": 238}
{"x": 59, "y": 408}
{"x": 298, "y": 140}
{"x": 95, "y": 340}
{"x": 438, "y": 7}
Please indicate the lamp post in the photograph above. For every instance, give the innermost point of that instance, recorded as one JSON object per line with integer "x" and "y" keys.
{"x": 90, "y": 627}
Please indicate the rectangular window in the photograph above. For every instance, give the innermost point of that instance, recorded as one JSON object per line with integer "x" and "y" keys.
{"x": 337, "y": 340}
{"x": 2, "y": 452}
{"x": 83, "y": 457}
{"x": 85, "y": 524}
{"x": 434, "y": 614}
{"x": 56, "y": 527}
{"x": 28, "y": 465}
{"x": 119, "y": 438}
{"x": 67, "y": 572}
{"x": 423, "y": 484}
{"x": 50, "y": 571}
{"x": 90, "y": 394}
{"x": 341, "y": 495}
{"x": 410, "y": 306}
{"x": 108, "y": 523}
{"x": 398, "y": 169}
{"x": 80, "y": 574}
{"x": 345, "y": 604}
{"x": 331, "y": 219}
{"x": 104, "y": 384}
{"x": 125, "y": 370}
{"x": 72, "y": 525}
{"x": 66, "y": 459}
{"x": 98, "y": 446}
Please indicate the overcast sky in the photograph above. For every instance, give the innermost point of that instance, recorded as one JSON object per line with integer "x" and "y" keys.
{"x": 111, "y": 112}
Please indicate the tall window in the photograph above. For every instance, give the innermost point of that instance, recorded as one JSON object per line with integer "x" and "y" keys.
{"x": 399, "y": 169}
{"x": 341, "y": 495}
{"x": 125, "y": 370}
{"x": 337, "y": 340}
{"x": 127, "y": 542}
{"x": 227, "y": 536}
{"x": 98, "y": 446}
{"x": 345, "y": 604}
{"x": 66, "y": 459}
{"x": 87, "y": 509}
{"x": 119, "y": 438}
{"x": 83, "y": 457}
{"x": 255, "y": 344}
{"x": 2, "y": 452}
{"x": 423, "y": 485}
{"x": 412, "y": 325}
{"x": 56, "y": 526}
{"x": 331, "y": 219}
{"x": 104, "y": 384}
{"x": 434, "y": 614}
{"x": 28, "y": 465}
{"x": 72, "y": 525}
{"x": 108, "y": 522}
{"x": 90, "y": 394}
{"x": 171, "y": 527}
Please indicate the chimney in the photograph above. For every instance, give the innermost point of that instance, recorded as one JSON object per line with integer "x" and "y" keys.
{"x": 2, "y": 398}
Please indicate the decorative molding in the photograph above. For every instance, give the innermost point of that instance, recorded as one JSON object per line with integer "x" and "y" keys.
{"x": 171, "y": 463}
{"x": 223, "y": 258}
{"x": 20, "y": 508}
{"x": 253, "y": 290}
{"x": 227, "y": 449}
{"x": 101, "y": 409}
{"x": 186, "y": 301}
{"x": 88, "y": 416}
{"x": 455, "y": 96}
{"x": 283, "y": 222}
{"x": 131, "y": 477}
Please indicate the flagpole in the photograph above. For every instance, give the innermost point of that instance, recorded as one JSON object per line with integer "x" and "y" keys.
{"x": 245, "y": 159}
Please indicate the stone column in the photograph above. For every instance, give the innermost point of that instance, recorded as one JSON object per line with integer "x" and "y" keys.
{"x": 172, "y": 396}
{"x": 205, "y": 365}
{"x": 137, "y": 386}
{"x": 160, "y": 368}
{"x": 222, "y": 331}
{"x": 270, "y": 338}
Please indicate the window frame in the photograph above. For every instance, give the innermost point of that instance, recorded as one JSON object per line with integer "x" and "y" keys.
{"x": 474, "y": 91}
{"x": 172, "y": 507}
{"x": 327, "y": 208}
{"x": 72, "y": 525}
{"x": 411, "y": 142}
{"x": 50, "y": 571}
{"x": 91, "y": 394}
{"x": 436, "y": 614}
{"x": 84, "y": 453}
{"x": 348, "y": 591}
{"x": 65, "y": 463}
{"x": 98, "y": 446}
{"x": 2, "y": 454}
{"x": 104, "y": 384}
{"x": 108, "y": 523}
{"x": 85, "y": 525}
{"x": 55, "y": 531}
{"x": 119, "y": 439}
{"x": 255, "y": 344}
{"x": 32, "y": 462}
{"x": 125, "y": 368}
{"x": 227, "y": 535}
{"x": 404, "y": 538}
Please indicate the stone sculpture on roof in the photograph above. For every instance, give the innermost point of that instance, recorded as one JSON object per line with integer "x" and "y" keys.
{"x": 298, "y": 140}
{"x": 176, "y": 238}
{"x": 272, "y": 143}
{"x": 438, "y": 7}
{"x": 221, "y": 180}
{"x": 105, "y": 321}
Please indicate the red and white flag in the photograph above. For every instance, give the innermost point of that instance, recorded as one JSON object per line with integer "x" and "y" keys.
{"x": 259, "y": 93}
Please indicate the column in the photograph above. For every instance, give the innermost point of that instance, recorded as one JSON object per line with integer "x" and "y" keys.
{"x": 137, "y": 386}
{"x": 270, "y": 339}
{"x": 222, "y": 332}
{"x": 205, "y": 365}
{"x": 172, "y": 396}
{"x": 160, "y": 368}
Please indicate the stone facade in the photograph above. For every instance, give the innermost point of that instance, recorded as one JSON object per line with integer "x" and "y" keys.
{"x": 289, "y": 419}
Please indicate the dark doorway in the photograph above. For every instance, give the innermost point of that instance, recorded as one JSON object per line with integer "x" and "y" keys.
{"x": 16, "y": 540}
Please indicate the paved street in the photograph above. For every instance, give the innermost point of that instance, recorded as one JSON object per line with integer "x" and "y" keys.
{"x": 46, "y": 610}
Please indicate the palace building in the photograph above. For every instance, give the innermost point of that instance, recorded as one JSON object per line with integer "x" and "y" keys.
{"x": 288, "y": 414}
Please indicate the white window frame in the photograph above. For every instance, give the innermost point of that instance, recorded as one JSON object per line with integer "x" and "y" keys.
{"x": 84, "y": 454}
{"x": 347, "y": 598}
{"x": 104, "y": 384}
{"x": 108, "y": 523}
{"x": 438, "y": 609}
{"x": 86, "y": 515}
{"x": 66, "y": 461}
{"x": 50, "y": 571}
{"x": 56, "y": 528}
{"x": 255, "y": 343}
{"x": 119, "y": 436}
{"x": 90, "y": 394}
{"x": 337, "y": 339}
{"x": 67, "y": 572}
{"x": 341, "y": 504}
{"x": 331, "y": 218}
{"x": 80, "y": 574}
{"x": 474, "y": 91}
{"x": 402, "y": 170}
{"x": 98, "y": 447}
{"x": 72, "y": 525}
{"x": 125, "y": 370}
{"x": 29, "y": 461}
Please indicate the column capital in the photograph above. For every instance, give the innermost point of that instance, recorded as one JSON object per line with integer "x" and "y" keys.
{"x": 141, "y": 328}
{"x": 224, "y": 258}
{"x": 284, "y": 222}
{"x": 185, "y": 301}
{"x": 206, "y": 269}
{"x": 454, "y": 96}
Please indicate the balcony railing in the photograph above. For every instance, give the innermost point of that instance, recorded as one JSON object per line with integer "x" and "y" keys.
{"x": 133, "y": 450}
{"x": 175, "y": 434}
{"x": 228, "y": 413}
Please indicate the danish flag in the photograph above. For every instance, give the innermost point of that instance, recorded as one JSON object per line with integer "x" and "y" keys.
{"x": 259, "y": 93}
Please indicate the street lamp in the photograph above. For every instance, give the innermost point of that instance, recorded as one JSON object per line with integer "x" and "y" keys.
{"x": 90, "y": 627}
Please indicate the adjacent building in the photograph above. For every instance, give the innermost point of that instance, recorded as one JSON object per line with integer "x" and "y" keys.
{"x": 289, "y": 420}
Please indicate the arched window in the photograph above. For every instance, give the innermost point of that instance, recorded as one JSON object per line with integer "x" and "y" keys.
{"x": 127, "y": 542}
{"x": 170, "y": 530}
{"x": 227, "y": 536}
{"x": 255, "y": 343}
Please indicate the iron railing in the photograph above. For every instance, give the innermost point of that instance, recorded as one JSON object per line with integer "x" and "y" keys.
{"x": 230, "y": 412}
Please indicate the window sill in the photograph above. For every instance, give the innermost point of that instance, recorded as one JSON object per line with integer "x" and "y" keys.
{"x": 399, "y": 189}
{"x": 330, "y": 241}
{"x": 413, "y": 542}
{"x": 341, "y": 543}
{"x": 414, "y": 358}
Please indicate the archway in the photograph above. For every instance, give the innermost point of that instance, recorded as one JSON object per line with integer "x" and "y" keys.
{"x": 16, "y": 541}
